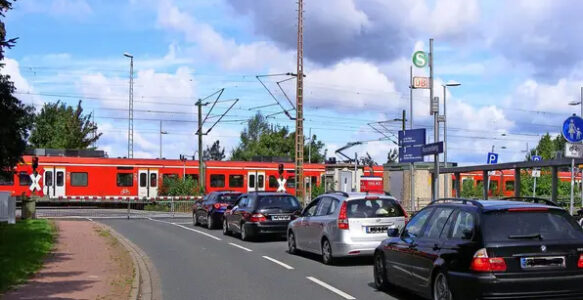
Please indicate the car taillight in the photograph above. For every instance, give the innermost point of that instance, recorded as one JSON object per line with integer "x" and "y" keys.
{"x": 580, "y": 262}
{"x": 483, "y": 263}
{"x": 217, "y": 206}
{"x": 343, "y": 217}
{"x": 257, "y": 218}
{"x": 528, "y": 209}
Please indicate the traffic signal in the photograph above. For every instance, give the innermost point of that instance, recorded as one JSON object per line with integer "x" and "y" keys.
{"x": 34, "y": 163}
{"x": 280, "y": 169}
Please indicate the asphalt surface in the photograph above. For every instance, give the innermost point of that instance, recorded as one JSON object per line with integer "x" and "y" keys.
{"x": 197, "y": 263}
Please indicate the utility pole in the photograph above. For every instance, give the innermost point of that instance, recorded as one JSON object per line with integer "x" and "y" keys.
{"x": 131, "y": 108}
{"x": 161, "y": 133}
{"x": 435, "y": 123}
{"x": 411, "y": 165}
{"x": 534, "y": 184}
{"x": 310, "y": 148}
{"x": 300, "y": 185}
{"x": 201, "y": 177}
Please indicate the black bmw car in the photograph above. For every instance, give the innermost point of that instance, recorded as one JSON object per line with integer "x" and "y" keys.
{"x": 261, "y": 213}
{"x": 495, "y": 249}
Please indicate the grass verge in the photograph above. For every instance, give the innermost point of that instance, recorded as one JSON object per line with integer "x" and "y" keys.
{"x": 23, "y": 247}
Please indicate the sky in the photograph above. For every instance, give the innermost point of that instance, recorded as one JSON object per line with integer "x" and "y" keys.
{"x": 518, "y": 63}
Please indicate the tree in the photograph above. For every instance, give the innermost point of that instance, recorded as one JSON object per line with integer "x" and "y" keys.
{"x": 392, "y": 156}
{"x": 60, "y": 126}
{"x": 16, "y": 118}
{"x": 215, "y": 152}
{"x": 547, "y": 147}
{"x": 260, "y": 138}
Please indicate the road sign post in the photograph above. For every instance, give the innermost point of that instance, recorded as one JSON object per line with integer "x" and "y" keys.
{"x": 572, "y": 151}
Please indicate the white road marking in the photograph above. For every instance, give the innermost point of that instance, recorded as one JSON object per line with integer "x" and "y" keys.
{"x": 279, "y": 262}
{"x": 187, "y": 223}
{"x": 184, "y": 227}
{"x": 331, "y": 288}
{"x": 241, "y": 247}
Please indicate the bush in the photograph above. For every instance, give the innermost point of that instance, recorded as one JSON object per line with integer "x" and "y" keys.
{"x": 180, "y": 187}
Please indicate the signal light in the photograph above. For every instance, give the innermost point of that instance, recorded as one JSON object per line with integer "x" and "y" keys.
{"x": 34, "y": 163}
{"x": 280, "y": 169}
{"x": 343, "y": 217}
{"x": 483, "y": 263}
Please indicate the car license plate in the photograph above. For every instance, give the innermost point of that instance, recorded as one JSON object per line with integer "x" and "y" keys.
{"x": 376, "y": 229}
{"x": 542, "y": 262}
{"x": 280, "y": 218}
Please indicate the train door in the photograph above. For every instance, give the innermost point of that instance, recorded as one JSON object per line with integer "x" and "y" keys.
{"x": 256, "y": 181}
{"x": 54, "y": 182}
{"x": 147, "y": 183}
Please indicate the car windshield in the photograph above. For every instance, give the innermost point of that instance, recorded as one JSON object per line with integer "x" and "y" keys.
{"x": 378, "y": 208}
{"x": 542, "y": 225}
{"x": 281, "y": 202}
{"x": 228, "y": 198}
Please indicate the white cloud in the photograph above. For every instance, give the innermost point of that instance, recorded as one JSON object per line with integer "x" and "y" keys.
{"x": 23, "y": 87}
{"x": 76, "y": 9}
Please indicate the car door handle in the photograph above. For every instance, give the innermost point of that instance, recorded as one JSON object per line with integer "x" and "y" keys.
{"x": 412, "y": 246}
{"x": 436, "y": 247}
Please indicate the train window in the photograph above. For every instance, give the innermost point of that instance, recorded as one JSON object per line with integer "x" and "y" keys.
{"x": 291, "y": 182}
{"x": 236, "y": 181}
{"x": 125, "y": 179}
{"x": 509, "y": 185}
{"x": 273, "y": 184}
{"x": 260, "y": 181}
{"x": 218, "y": 180}
{"x": 479, "y": 182}
{"x": 143, "y": 179}
{"x": 60, "y": 178}
{"x": 153, "y": 179}
{"x": 79, "y": 179}
{"x": 314, "y": 180}
{"x": 7, "y": 179}
{"x": 24, "y": 179}
{"x": 49, "y": 178}
{"x": 193, "y": 177}
{"x": 251, "y": 180}
{"x": 494, "y": 185}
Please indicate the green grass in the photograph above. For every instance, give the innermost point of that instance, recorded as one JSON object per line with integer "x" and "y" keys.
{"x": 23, "y": 247}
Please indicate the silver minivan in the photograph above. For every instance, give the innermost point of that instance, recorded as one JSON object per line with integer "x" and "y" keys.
{"x": 340, "y": 224}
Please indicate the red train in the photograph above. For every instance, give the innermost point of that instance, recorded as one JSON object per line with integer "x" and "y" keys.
{"x": 114, "y": 178}
{"x": 502, "y": 182}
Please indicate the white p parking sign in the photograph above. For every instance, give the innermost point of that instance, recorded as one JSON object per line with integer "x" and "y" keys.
{"x": 492, "y": 158}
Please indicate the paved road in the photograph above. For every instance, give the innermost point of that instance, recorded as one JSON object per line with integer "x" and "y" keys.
{"x": 196, "y": 263}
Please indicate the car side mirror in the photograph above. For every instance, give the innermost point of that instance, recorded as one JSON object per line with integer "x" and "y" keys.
{"x": 393, "y": 232}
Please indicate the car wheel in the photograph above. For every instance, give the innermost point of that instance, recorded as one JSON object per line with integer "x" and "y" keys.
{"x": 226, "y": 230}
{"x": 291, "y": 243}
{"x": 327, "y": 257}
{"x": 441, "y": 289}
{"x": 210, "y": 224}
{"x": 195, "y": 220}
{"x": 244, "y": 234}
{"x": 380, "y": 272}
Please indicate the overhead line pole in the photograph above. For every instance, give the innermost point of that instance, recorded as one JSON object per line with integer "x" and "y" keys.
{"x": 300, "y": 185}
{"x": 435, "y": 123}
{"x": 199, "y": 105}
{"x": 411, "y": 165}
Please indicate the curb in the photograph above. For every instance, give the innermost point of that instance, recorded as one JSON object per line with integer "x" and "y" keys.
{"x": 146, "y": 283}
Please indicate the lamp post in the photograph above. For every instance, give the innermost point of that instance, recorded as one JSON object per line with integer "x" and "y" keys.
{"x": 131, "y": 108}
{"x": 161, "y": 133}
{"x": 450, "y": 83}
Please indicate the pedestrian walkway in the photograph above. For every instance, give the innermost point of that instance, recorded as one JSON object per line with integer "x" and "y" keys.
{"x": 88, "y": 263}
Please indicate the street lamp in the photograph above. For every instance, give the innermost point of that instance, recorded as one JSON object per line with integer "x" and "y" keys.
{"x": 448, "y": 84}
{"x": 131, "y": 108}
{"x": 161, "y": 133}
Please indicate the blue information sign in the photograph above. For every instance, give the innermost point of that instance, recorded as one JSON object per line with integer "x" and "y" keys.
{"x": 434, "y": 148}
{"x": 413, "y": 137}
{"x": 573, "y": 129}
{"x": 410, "y": 154}
{"x": 536, "y": 158}
{"x": 492, "y": 158}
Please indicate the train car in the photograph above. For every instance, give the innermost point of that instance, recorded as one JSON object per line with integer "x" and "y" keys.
{"x": 501, "y": 182}
{"x": 65, "y": 176}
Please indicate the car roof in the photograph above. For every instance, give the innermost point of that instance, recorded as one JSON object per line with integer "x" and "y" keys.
{"x": 227, "y": 192}
{"x": 493, "y": 205}
{"x": 259, "y": 193}
{"x": 358, "y": 195}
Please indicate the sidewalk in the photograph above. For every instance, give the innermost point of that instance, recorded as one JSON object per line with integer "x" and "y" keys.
{"x": 88, "y": 263}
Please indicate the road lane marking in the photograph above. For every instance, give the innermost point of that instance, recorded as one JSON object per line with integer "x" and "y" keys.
{"x": 279, "y": 262}
{"x": 184, "y": 227}
{"x": 331, "y": 288}
{"x": 241, "y": 247}
{"x": 187, "y": 223}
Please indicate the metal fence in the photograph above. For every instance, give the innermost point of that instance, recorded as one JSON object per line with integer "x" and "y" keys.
{"x": 129, "y": 209}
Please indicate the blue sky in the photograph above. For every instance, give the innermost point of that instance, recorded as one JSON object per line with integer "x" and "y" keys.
{"x": 517, "y": 62}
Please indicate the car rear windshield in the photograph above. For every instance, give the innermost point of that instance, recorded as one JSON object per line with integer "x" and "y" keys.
{"x": 228, "y": 198}
{"x": 378, "y": 208}
{"x": 275, "y": 202}
{"x": 525, "y": 225}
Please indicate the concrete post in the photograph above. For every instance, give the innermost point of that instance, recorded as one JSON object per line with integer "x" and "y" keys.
{"x": 555, "y": 183}
{"x": 485, "y": 190}
{"x": 516, "y": 182}
{"x": 458, "y": 185}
